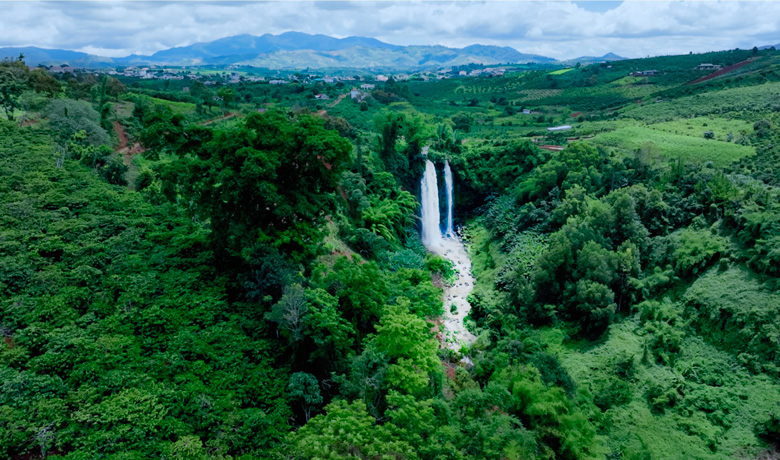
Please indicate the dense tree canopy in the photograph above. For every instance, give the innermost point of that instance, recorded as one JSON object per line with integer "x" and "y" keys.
{"x": 13, "y": 80}
{"x": 177, "y": 283}
{"x": 268, "y": 182}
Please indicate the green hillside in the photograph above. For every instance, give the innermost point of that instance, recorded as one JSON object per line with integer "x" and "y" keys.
{"x": 235, "y": 271}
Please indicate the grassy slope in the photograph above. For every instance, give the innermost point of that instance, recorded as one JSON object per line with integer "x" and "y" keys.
{"x": 687, "y": 432}
{"x": 695, "y": 127}
{"x": 184, "y": 108}
{"x": 674, "y": 146}
{"x": 704, "y": 376}
{"x": 735, "y": 101}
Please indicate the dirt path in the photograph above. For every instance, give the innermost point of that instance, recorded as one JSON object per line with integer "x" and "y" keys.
{"x": 456, "y": 334}
{"x": 25, "y": 120}
{"x": 338, "y": 99}
{"x": 124, "y": 149}
{"x": 127, "y": 151}
{"x": 214, "y": 120}
{"x": 119, "y": 130}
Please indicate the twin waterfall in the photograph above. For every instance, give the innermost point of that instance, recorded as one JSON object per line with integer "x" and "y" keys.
{"x": 429, "y": 197}
{"x": 429, "y": 212}
{"x": 447, "y": 244}
{"x": 448, "y": 187}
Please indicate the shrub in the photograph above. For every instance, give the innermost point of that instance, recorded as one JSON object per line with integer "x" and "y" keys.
{"x": 613, "y": 393}
{"x": 67, "y": 117}
{"x": 696, "y": 250}
{"x": 144, "y": 180}
{"x": 770, "y": 430}
{"x": 114, "y": 170}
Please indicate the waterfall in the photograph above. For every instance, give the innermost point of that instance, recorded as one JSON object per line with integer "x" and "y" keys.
{"x": 429, "y": 198}
{"x": 448, "y": 186}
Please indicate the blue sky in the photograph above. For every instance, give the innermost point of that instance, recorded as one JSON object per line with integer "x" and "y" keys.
{"x": 559, "y": 29}
{"x": 598, "y": 6}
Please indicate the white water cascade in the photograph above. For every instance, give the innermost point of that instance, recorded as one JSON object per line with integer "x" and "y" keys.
{"x": 448, "y": 186}
{"x": 429, "y": 197}
{"x": 455, "y": 296}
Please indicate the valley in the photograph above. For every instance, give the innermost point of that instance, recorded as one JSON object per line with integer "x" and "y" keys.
{"x": 417, "y": 268}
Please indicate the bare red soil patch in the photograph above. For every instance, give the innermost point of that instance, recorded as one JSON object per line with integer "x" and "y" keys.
{"x": 124, "y": 149}
{"x": 119, "y": 130}
{"x": 722, "y": 71}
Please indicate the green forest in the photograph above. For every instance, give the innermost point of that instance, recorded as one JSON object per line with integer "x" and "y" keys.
{"x": 236, "y": 271}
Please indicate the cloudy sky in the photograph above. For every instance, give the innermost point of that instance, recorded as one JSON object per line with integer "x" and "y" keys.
{"x": 560, "y": 29}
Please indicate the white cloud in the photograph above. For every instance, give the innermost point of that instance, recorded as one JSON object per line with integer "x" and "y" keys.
{"x": 559, "y": 29}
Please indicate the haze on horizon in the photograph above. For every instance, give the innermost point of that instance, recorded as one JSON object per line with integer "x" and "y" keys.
{"x": 560, "y": 29}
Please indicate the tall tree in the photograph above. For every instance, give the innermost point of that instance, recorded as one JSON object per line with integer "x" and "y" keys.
{"x": 269, "y": 181}
{"x": 407, "y": 341}
{"x": 42, "y": 82}
{"x": 13, "y": 81}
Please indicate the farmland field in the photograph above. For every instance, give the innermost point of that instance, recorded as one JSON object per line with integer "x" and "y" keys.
{"x": 695, "y": 127}
{"x": 184, "y": 108}
{"x": 735, "y": 101}
{"x": 674, "y": 146}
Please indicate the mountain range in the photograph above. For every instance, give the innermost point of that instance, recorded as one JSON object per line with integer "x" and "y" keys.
{"x": 290, "y": 50}
{"x": 591, "y": 59}
{"x": 35, "y": 56}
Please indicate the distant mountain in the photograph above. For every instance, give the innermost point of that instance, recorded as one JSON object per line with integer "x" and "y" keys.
{"x": 504, "y": 54}
{"x": 242, "y": 47}
{"x": 591, "y": 59}
{"x": 777, "y": 47}
{"x": 362, "y": 56}
{"x": 35, "y": 56}
{"x": 293, "y": 50}
{"x": 612, "y": 57}
{"x": 297, "y": 50}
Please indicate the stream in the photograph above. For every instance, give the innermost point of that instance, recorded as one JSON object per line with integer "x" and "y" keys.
{"x": 449, "y": 246}
{"x": 455, "y": 332}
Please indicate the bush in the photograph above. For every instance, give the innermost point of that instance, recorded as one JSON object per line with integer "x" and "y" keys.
{"x": 762, "y": 128}
{"x": 144, "y": 180}
{"x": 114, "y": 171}
{"x": 444, "y": 267}
{"x": 552, "y": 373}
{"x": 614, "y": 393}
{"x": 770, "y": 430}
{"x": 663, "y": 330}
{"x": 67, "y": 117}
{"x": 366, "y": 243}
{"x": 696, "y": 249}
{"x": 93, "y": 157}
